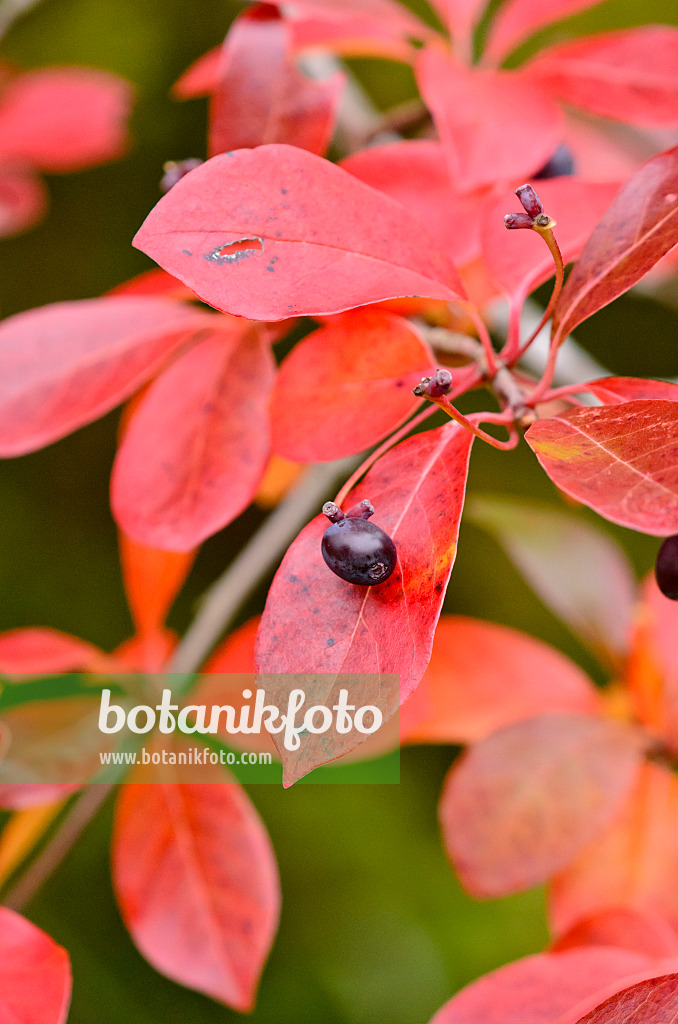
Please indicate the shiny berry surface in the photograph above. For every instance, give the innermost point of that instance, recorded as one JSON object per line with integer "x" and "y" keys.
{"x": 666, "y": 568}
{"x": 359, "y": 552}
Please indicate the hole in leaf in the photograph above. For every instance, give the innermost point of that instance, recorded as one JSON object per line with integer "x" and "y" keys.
{"x": 232, "y": 252}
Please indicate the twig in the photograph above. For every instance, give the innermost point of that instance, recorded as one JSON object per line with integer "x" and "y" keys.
{"x": 72, "y": 826}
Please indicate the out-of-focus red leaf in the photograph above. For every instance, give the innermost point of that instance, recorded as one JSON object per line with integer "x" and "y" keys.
{"x": 46, "y": 651}
{"x": 519, "y": 260}
{"x": 261, "y": 96}
{"x": 414, "y": 173}
{"x": 482, "y": 677}
{"x": 544, "y": 989}
{"x": 276, "y": 231}
{"x": 626, "y": 928}
{"x": 155, "y": 282}
{"x": 197, "y": 884}
{"x": 578, "y": 571}
{"x": 652, "y": 676}
{"x": 63, "y": 365}
{"x": 473, "y": 108}
{"x": 398, "y": 17}
{"x": 654, "y": 1001}
{"x": 521, "y": 804}
{"x": 153, "y": 578}
{"x": 236, "y": 654}
{"x": 461, "y": 17}
{"x": 616, "y": 390}
{"x": 20, "y": 796}
{"x": 599, "y": 153}
{"x": 315, "y": 622}
{"x": 62, "y": 119}
{"x": 196, "y": 446}
{"x": 23, "y": 200}
{"x": 622, "y": 460}
{"x": 35, "y": 974}
{"x": 149, "y": 652}
{"x": 639, "y": 227}
{"x": 201, "y": 78}
{"x": 347, "y": 385}
{"x": 357, "y": 36}
{"x": 630, "y": 75}
{"x": 518, "y": 19}
{"x": 634, "y": 863}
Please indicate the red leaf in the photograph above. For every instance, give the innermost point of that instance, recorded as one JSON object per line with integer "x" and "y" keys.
{"x": 197, "y": 885}
{"x": 622, "y": 460}
{"x": 626, "y": 928}
{"x": 652, "y": 675}
{"x": 519, "y": 19}
{"x": 23, "y": 200}
{"x": 632, "y": 864}
{"x": 155, "y": 282}
{"x": 276, "y": 231}
{"x": 62, "y": 119}
{"x": 654, "y": 1001}
{"x": 472, "y": 108}
{"x": 201, "y": 78}
{"x": 356, "y": 36}
{"x": 631, "y": 75}
{"x": 617, "y": 390}
{"x": 196, "y": 446}
{"x": 389, "y": 12}
{"x": 64, "y": 365}
{"x": 577, "y": 571}
{"x": 35, "y": 974}
{"x": 236, "y": 654}
{"x": 45, "y": 652}
{"x": 482, "y": 677}
{"x": 521, "y": 804}
{"x": 153, "y": 579}
{"x": 19, "y": 796}
{"x": 418, "y": 492}
{"x": 414, "y": 173}
{"x": 640, "y": 226}
{"x": 261, "y": 96}
{"x": 461, "y": 17}
{"x": 543, "y": 989}
{"x": 519, "y": 260}
{"x": 347, "y": 385}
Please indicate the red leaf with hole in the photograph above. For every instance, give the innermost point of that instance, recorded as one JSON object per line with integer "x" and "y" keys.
{"x": 519, "y": 19}
{"x": 62, "y": 119}
{"x": 261, "y": 96}
{"x": 196, "y": 446}
{"x": 66, "y": 364}
{"x": 483, "y": 676}
{"x": 152, "y": 578}
{"x": 631, "y": 75}
{"x": 578, "y": 571}
{"x": 519, "y": 260}
{"x": 23, "y": 200}
{"x": 42, "y": 651}
{"x": 640, "y": 226}
{"x": 549, "y": 988}
{"x": 654, "y": 1001}
{"x": 315, "y": 622}
{"x": 616, "y": 390}
{"x": 347, "y": 385}
{"x": 522, "y": 803}
{"x": 35, "y": 974}
{"x": 274, "y": 232}
{"x": 197, "y": 884}
{"x": 414, "y": 173}
{"x": 625, "y": 928}
{"x": 472, "y": 108}
{"x": 632, "y": 864}
{"x": 622, "y": 460}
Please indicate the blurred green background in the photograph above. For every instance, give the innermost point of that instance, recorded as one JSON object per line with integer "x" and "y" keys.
{"x": 374, "y": 928}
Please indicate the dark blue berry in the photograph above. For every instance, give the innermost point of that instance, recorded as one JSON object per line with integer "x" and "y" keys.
{"x": 354, "y": 549}
{"x": 666, "y": 568}
{"x": 561, "y": 164}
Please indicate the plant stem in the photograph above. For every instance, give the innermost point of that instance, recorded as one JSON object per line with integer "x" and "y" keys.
{"x": 85, "y": 806}
{"x": 550, "y": 239}
{"x": 259, "y": 556}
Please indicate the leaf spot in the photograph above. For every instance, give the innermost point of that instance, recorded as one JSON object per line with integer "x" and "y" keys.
{"x": 233, "y": 252}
